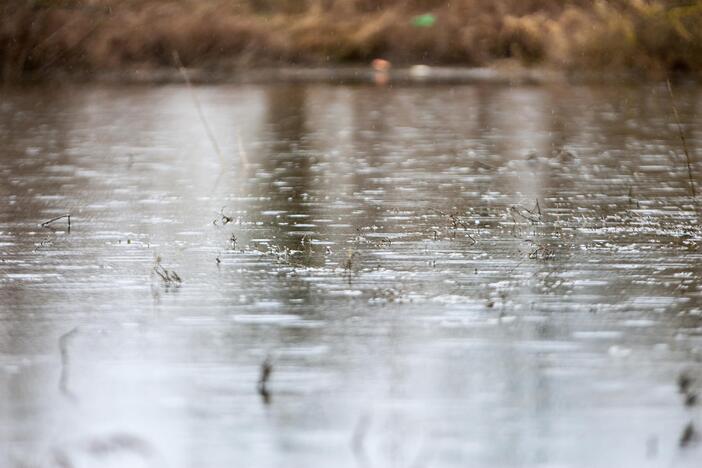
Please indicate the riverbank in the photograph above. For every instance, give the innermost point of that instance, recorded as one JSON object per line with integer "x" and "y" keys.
{"x": 99, "y": 38}
{"x": 500, "y": 74}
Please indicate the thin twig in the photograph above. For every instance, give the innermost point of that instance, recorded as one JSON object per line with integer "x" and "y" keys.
{"x": 186, "y": 77}
{"x": 531, "y": 216}
{"x": 682, "y": 139}
{"x": 68, "y": 216}
{"x": 515, "y": 267}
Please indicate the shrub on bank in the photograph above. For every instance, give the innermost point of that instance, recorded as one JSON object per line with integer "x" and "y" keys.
{"x": 41, "y": 36}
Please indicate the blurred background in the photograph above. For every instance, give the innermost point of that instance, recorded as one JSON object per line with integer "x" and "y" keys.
{"x": 40, "y": 37}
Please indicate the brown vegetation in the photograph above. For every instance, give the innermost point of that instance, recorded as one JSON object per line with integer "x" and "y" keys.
{"x": 41, "y": 36}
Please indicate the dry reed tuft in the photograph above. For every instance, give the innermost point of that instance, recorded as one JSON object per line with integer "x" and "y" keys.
{"x": 38, "y": 37}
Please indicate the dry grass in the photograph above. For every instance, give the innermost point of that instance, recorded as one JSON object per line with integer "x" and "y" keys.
{"x": 37, "y": 37}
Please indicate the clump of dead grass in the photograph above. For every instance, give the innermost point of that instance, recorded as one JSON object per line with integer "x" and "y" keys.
{"x": 37, "y": 37}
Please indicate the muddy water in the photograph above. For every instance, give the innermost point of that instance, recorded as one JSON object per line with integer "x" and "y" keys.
{"x": 382, "y": 249}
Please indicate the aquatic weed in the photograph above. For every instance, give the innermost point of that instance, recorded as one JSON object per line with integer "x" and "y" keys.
{"x": 264, "y": 376}
{"x": 168, "y": 277}
{"x": 223, "y": 218}
{"x": 688, "y": 436}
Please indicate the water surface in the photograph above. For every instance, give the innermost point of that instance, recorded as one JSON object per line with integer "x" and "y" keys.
{"x": 438, "y": 276}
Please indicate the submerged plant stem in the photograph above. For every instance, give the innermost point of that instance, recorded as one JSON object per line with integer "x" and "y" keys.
{"x": 688, "y": 159}
{"x": 208, "y": 130}
{"x": 65, "y": 362}
{"x": 265, "y": 375}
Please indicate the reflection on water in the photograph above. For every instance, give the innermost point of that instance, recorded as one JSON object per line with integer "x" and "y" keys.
{"x": 445, "y": 277}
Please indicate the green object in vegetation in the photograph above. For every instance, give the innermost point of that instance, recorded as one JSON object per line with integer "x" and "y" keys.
{"x": 424, "y": 21}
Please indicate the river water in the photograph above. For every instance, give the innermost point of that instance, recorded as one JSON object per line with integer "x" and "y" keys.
{"x": 429, "y": 276}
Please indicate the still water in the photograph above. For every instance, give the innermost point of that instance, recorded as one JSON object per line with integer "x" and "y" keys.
{"x": 437, "y": 277}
